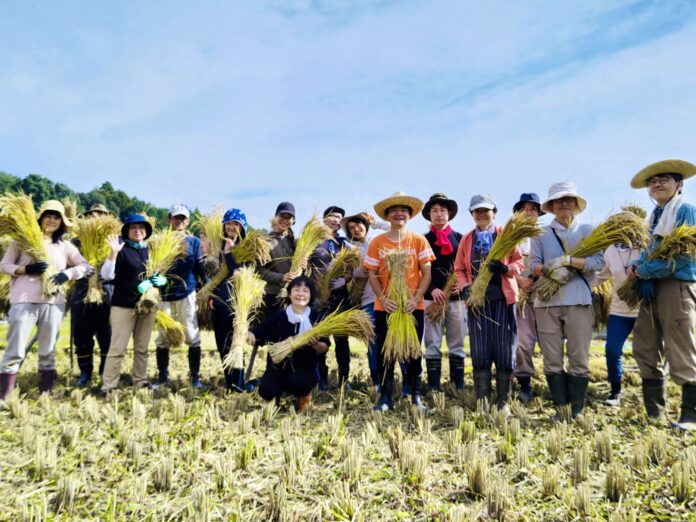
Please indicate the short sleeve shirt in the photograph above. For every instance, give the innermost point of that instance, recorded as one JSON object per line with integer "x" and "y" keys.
{"x": 419, "y": 252}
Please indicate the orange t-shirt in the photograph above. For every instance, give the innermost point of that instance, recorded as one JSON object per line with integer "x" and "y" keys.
{"x": 420, "y": 254}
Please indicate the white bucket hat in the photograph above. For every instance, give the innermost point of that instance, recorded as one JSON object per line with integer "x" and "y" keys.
{"x": 560, "y": 190}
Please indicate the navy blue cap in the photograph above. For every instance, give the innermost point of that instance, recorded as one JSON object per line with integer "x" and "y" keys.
{"x": 333, "y": 209}
{"x": 131, "y": 219}
{"x": 286, "y": 208}
{"x": 528, "y": 197}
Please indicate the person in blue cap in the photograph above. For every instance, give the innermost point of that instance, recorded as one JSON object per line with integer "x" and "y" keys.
{"x": 125, "y": 266}
{"x": 179, "y": 299}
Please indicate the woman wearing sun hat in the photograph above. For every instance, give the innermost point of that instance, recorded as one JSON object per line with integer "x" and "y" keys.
{"x": 398, "y": 209}
{"x": 29, "y": 306}
{"x": 666, "y": 324}
{"x": 565, "y": 322}
{"x": 125, "y": 266}
{"x": 492, "y": 328}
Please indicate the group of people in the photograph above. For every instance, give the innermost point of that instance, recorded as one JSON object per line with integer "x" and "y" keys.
{"x": 441, "y": 268}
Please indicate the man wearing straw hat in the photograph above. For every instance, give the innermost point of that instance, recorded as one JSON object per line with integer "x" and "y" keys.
{"x": 439, "y": 210}
{"x": 666, "y": 324}
{"x": 179, "y": 299}
{"x": 398, "y": 209}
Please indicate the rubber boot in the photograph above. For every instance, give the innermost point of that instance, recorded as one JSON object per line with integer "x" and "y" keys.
{"x": 434, "y": 370}
{"x": 162, "y": 355}
{"x": 482, "y": 384}
{"x": 7, "y": 384}
{"x": 577, "y": 392}
{"x": 654, "y": 398}
{"x": 687, "y": 420}
{"x": 194, "y": 360}
{"x": 503, "y": 381}
{"x": 557, "y": 388}
{"x": 456, "y": 365}
{"x": 385, "y": 403}
{"x": 46, "y": 380}
{"x": 405, "y": 389}
{"x": 235, "y": 380}
{"x": 525, "y": 394}
{"x": 85, "y": 375}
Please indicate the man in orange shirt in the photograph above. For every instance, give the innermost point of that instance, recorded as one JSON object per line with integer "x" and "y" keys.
{"x": 398, "y": 210}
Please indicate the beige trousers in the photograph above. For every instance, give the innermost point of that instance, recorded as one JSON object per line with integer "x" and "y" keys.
{"x": 666, "y": 330}
{"x": 568, "y": 327}
{"x": 124, "y": 323}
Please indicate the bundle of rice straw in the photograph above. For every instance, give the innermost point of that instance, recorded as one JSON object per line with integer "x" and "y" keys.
{"x": 18, "y": 222}
{"x": 436, "y": 311}
{"x": 682, "y": 241}
{"x": 519, "y": 227}
{"x": 353, "y": 323}
{"x": 623, "y": 227}
{"x": 165, "y": 248}
{"x": 523, "y": 302}
{"x": 172, "y": 330}
{"x": 401, "y": 342}
{"x": 313, "y": 233}
{"x": 601, "y": 303}
{"x": 345, "y": 262}
{"x": 211, "y": 231}
{"x": 355, "y": 290}
{"x": 636, "y": 209}
{"x": 253, "y": 249}
{"x": 247, "y": 299}
{"x": 4, "y": 280}
{"x": 93, "y": 232}
{"x": 70, "y": 206}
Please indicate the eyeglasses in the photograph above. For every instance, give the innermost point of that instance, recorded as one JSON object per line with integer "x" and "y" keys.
{"x": 565, "y": 199}
{"x": 665, "y": 178}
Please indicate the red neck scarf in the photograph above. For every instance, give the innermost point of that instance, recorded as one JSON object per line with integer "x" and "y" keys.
{"x": 442, "y": 239}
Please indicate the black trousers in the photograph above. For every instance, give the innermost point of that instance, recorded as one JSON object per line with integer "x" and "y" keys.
{"x": 90, "y": 321}
{"x": 287, "y": 378}
{"x": 413, "y": 366}
{"x": 222, "y": 326}
{"x": 342, "y": 349}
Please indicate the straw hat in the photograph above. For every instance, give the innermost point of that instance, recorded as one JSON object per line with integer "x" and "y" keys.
{"x": 673, "y": 166}
{"x": 53, "y": 205}
{"x": 560, "y": 190}
{"x": 98, "y": 207}
{"x": 398, "y": 198}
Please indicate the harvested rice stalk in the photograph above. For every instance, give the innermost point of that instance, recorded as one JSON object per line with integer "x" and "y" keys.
{"x": 347, "y": 260}
{"x": 247, "y": 297}
{"x": 211, "y": 232}
{"x": 70, "y": 206}
{"x": 401, "y": 342}
{"x": 523, "y": 301}
{"x": 682, "y": 241}
{"x": 623, "y": 227}
{"x": 601, "y": 303}
{"x": 18, "y": 221}
{"x": 165, "y": 248}
{"x": 519, "y": 227}
{"x": 636, "y": 209}
{"x": 355, "y": 290}
{"x": 93, "y": 232}
{"x": 436, "y": 311}
{"x": 354, "y": 323}
{"x": 4, "y": 294}
{"x": 172, "y": 330}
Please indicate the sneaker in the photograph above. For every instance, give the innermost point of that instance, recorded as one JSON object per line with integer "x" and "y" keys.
{"x": 418, "y": 403}
{"x": 159, "y": 382}
{"x": 614, "y": 399}
{"x": 383, "y": 404}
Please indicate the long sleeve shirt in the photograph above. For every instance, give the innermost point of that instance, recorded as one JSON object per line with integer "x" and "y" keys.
{"x": 282, "y": 250}
{"x": 63, "y": 256}
{"x": 546, "y": 247}
{"x": 617, "y": 260}
{"x": 682, "y": 267}
{"x": 182, "y": 277}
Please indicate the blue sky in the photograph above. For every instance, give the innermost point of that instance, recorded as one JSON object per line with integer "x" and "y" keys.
{"x": 246, "y": 104}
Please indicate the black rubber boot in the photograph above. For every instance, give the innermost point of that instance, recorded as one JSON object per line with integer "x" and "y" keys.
{"x": 557, "y": 388}
{"x": 434, "y": 370}
{"x": 162, "y": 355}
{"x": 7, "y": 384}
{"x": 194, "y": 360}
{"x": 525, "y": 394}
{"x": 482, "y": 384}
{"x": 46, "y": 380}
{"x": 687, "y": 420}
{"x": 577, "y": 391}
{"x": 456, "y": 365}
{"x": 503, "y": 381}
{"x": 654, "y": 398}
{"x": 235, "y": 380}
{"x": 85, "y": 374}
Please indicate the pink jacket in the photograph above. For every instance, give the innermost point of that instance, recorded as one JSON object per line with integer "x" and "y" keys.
{"x": 63, "y": 256}
{"x": 462, "y": 267}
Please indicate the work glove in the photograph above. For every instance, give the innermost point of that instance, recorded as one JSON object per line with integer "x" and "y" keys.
{"x": 145, "y": 286}
{"x": 497, "y": 267}
{"x": 158, "y": 280}
{"x": 337, "y": 283}
{"x": 553, "y": 264}
{"x": 36, "y": 268}
{"x": 645, "y": 289}
{"x": 560, "y": 275}
{"x": 59, "y": 279}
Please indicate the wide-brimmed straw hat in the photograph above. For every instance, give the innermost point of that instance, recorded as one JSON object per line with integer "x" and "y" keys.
{"x": 560, "y": 190}
{"x": 52, "y": 205}
{"x": 98, "y": 207}
{"x": 400, "y": 199}
{"x": 361, "y": 217}
{"x": 440, "y": 199}
{"x": 671, "y": 166}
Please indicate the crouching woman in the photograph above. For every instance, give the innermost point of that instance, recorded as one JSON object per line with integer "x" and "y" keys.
{"x": 296, "y": 375}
